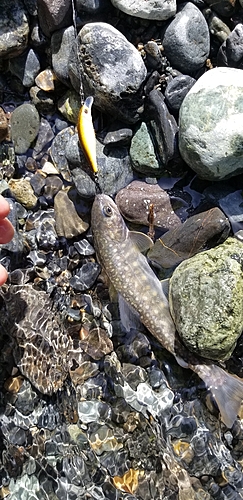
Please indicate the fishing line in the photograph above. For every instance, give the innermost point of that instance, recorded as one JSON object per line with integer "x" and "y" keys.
{"x": 81, "y": 87}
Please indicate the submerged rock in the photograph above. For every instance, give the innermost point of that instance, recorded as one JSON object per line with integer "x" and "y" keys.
{"x": 206, "y": 300}
{"x": 68, "y": 222}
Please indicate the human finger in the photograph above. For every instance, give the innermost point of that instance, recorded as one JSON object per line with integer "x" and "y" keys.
{"x": 6, "y": 231}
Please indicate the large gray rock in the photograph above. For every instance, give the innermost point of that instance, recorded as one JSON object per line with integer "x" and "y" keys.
{"x": 186, "y": 40}
{"x": 61, "y": 44}
{"x": 206, "y": 300}
{"x": 54, "y": 15}
{"x": 112, "y": 70}
{"x": 14, "y": 28}
{"x": 147, "y": 10}
{"x": 211, "y": 124}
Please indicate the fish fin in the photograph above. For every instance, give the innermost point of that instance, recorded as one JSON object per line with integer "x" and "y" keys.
{"x": 129, "y": 317}
{"x": 165, "y": 287}
{"x": 142, "y": 241}
{"x": 227, "y": 391}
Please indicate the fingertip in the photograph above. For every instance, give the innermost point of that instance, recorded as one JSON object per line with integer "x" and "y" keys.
{"x": 3, "y": 275}
{"x": 4, "y": 207}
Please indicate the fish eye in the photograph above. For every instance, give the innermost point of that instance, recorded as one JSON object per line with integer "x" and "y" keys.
{"x": 107, "y": 210}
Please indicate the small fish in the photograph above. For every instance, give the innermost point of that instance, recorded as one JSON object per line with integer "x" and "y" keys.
{"x": 132, "y": 277}
{"x": 86, "y": 133}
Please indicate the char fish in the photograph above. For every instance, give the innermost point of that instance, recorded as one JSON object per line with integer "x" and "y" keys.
{"x": 132, "y": 277}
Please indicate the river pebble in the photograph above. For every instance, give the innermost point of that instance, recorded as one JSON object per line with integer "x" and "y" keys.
{"x": 25, "y": 122}
{"x": 26, "y": 67}
{"x": 146, "y": 10}
{"x": 23, "y": 192}
{"x": 14, "y": 41}
{"x": 186, "y": 39}
{"x": 206, "y": 119}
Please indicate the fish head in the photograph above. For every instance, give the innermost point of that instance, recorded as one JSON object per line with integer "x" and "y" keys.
{"x": 106, "y": 221}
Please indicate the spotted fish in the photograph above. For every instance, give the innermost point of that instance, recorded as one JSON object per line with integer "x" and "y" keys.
{"x": 86, "y": 133}
{"x": 132, "y": 277}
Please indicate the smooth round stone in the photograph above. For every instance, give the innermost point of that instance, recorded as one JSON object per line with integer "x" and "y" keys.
{"x": 115, "y": 91}
{"x": 154, "y": 10}
{"x": 186, "y": 40}
{"x": 25, "y": 122}
{"x": 134, "y": 200}
{"x": 211, "y": 125}
{"x": 177, "y": 90}
{"x": 206, "y": 300}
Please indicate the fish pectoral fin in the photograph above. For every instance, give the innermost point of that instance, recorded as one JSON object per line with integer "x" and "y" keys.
{"x": 227, "y": 391}
{"x": 142, "y": 241}
{"x": 129, "y": 317}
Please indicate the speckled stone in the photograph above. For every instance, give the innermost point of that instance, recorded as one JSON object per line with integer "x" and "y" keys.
{"x": 23, "y": 192}
{"x": 134, "y": 200}
{"x": 206, "y": 300}
{"x": 25, "y": 122}
{"x": 211, "y": 124}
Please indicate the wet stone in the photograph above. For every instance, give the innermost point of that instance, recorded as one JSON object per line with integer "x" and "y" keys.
{"x": 44, "y": 139}
{"x": 46, "y": 80}
{"x": 84, "y": 247}
{"x": 59, "y": 145}
{"x": 68, "y": 222}
{"x": 43, "y": 101}
{"x": 176, "y": 91}
{"x": 61, "y": 43}
{"x": 142, "y": 152}
{"x": 85, "y": 277}
{"x": 134, "y": 201}
{"x": 37, "y": 182}
{"x": 25, "y": 124}
{"x": 53, "y": 184}
{"x": 69, "y": 106}
{"x": 14, "y": 41}
{"x": 26, "y": 67}
{"x": 93, "y": 411}
{"x": 231, "y": 51}
{"x": 193, "y": 236}
{"x": 97, "y": 343}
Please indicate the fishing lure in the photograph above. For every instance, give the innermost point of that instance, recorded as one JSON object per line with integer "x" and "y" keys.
{"x": 86, "y": 133}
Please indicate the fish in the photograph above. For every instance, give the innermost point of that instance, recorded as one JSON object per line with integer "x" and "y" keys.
{"x": 133, "y": 279}
{"x": 86, "y": 133}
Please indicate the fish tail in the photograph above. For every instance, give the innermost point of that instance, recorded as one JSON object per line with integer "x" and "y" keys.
{"x": 226, "y": 389}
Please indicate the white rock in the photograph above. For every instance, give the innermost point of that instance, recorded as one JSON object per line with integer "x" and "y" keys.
{"x": 147, "y": 9}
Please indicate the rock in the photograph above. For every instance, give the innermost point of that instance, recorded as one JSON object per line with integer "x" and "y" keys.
{"x": 186, "y": 39}
{"x": 154, "y": 59}
{"x": 54, "y": 15}
{"x": 23, "y": 192}
{"x": 92, "y": 6}
{"x": 61, "y": 44}
{"x": 53, "y": 184}
{"x": 3, "y": 125}
{"x": 117, "y": 134}
{"x": 206, "y": 300}
{"x": 25, "y": 124}
{"x": 26, "y": 67}
{"x": 231, "y": 51}
{"x": 44, "y": 139}
{"x": 46, "y": 80}
{"x": 59, "y": 144}
{"x": 114, "y": 168}
{"x": 192, "y": 236}
{"x": 142, "y": 152}
{"x": 42, "y": 100}
{"x": 133, "y": 202}
{"x": 68, "y": 222}
{"x": 14, "y": 28}
{"x": 176, "y": 91}
{"x": 147, "y": 10}
{"x": 163, "y": 127}
{"x": 69, "y": 106}
{"x": 224, "y": 8}
{"x": 115, "y": 91}
{"x": 211, "y": 125}
{"x": 216, "y": 26}
{"x": 97, "y": 343}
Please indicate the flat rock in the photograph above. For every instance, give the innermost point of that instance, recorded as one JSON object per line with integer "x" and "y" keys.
{"x": 134, "y": 200}
{"x": 206, "y": 300}
{"x": 103, "y": 54}
{"x": 25, "y": 122}
{"x": 68, "y": 222}
{"x": 211, "y": 124}
{"x": 154, "y": 10}
{"x": 186, "y": 40}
